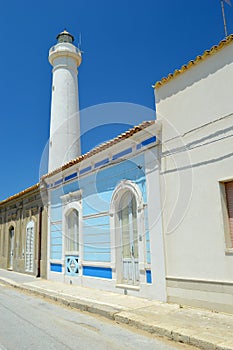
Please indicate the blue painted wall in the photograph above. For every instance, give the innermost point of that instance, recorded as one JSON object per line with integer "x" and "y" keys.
{"x": 96, "y": 239}
{"x": 56, "y": 267}
{"x": 56, "y": 240}
{"x": 100, "y": 272}
{"x": 148, "y": 276}
{"x": 97, "y": 189}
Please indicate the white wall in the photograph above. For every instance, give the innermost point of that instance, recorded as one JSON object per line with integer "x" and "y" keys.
{"x": 200, "y": 95}
{"x": 64, "y": 142}
{"x": 152, "y": 165}
{"x": 195, "y": 109}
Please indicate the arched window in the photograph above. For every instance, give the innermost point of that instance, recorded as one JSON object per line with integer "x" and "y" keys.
{"x": 72, "y": 239}
{"x": 29, "y": 256}
{"x": 72, "y": 231}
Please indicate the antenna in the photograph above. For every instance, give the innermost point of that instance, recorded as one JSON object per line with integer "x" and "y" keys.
{"x": 223, "y": 14}
{"x": 80, "y": 41}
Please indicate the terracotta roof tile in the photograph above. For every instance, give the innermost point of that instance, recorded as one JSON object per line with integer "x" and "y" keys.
{"x": 101, "y": 147}
{"x": 191, "y": 63}
{"x": 17, "y": 195}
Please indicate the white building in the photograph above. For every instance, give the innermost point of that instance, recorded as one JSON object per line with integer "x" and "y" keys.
{"x": 195, "y": 106}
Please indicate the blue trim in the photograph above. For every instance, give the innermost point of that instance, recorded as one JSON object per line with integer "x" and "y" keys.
{"x": 101, "y": 272}
{"x": 148, "y": 276}
{"x": 55, "y": 267}
{"x": 102, "y": 162}
{"x": 123, "y": 153}
{"x": 71, "y": 176}
{"x": 146, "y": 142}
{"x": 84, "y": 170}
{"x": 58, "y": 182}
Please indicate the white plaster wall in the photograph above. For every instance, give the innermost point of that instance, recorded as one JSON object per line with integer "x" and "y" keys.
{"x": 197, "y": 96}
{"x": 193, "y": 216}
{"x": 193, "y": 164}
{"x": 65, "y": 121}
{"x": 152, "y": 167}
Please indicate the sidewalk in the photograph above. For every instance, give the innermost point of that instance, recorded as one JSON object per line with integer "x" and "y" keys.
{"x": 204, "y": 329}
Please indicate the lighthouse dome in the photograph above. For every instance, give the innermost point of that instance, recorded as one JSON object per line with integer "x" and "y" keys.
{"x": 65, "y": 37}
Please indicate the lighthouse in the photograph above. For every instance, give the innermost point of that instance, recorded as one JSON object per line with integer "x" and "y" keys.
{"x": 64, "y": 142}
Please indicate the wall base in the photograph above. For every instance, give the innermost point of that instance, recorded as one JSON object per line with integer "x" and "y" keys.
{"x": 212, "y": 295}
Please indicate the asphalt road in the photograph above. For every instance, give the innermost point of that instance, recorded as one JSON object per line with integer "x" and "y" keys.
{"x": 31, "y": 323}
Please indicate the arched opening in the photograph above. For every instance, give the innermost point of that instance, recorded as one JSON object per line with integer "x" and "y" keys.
{"x": 128, "y": 229}
{"x": 72, "y": 242}
{"x": 126, "y": 210}
{"x": 72, "y": 239}
{"x": 11, "y": 247}
{"x": 29, "y": 256}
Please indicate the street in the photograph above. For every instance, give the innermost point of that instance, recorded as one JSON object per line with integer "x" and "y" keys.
{"x": 29, "y": 322}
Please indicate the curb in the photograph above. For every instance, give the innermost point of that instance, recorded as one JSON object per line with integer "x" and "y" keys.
{"x": 117, "y": 314}
{"x": 170, "y": 334}
{"x": 91, "y": 307}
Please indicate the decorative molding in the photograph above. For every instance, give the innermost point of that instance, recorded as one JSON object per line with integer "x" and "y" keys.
{"x": 97, "y": 215}
{"x": 71, "y": 197}
{"x": 123, "y": 186}
{"x": 105, "y": 146}
{"x": 195, "y": 280}
{"x": 110, "y": 160}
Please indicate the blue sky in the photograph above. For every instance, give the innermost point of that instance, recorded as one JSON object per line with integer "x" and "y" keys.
{"x": 128, "y": 45}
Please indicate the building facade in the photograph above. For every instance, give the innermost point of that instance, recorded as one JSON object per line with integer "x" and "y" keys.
{"x": 104, "y": 228}
{"x": 195, "y": 107}
{"x": 23, "y": 233}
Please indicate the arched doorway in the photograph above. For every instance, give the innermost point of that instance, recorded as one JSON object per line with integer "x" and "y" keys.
{"x": 128, "y": 229}
{"x": 11, "y": 247}
{"x": 29, "y": 256}
{"x": 127, "y": 211}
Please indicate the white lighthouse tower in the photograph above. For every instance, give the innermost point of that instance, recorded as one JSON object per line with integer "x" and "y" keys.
{"x": 64, "y": 143}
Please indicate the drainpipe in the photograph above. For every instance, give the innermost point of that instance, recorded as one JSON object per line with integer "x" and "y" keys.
{"x": 39, "y": 241}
